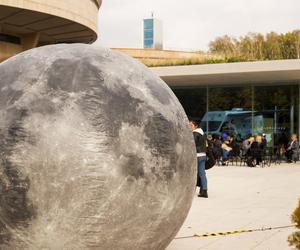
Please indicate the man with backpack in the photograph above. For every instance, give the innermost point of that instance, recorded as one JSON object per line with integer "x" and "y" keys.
{"x": 201, "y": 145}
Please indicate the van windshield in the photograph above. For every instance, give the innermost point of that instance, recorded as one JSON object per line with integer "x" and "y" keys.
{"x": 212, "y": 125}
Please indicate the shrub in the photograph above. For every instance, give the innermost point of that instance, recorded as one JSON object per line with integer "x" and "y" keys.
{"x": 294, "y": 239}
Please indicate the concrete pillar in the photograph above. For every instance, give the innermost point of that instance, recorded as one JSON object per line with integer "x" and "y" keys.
{"x": 7, "y": 50}
{"x": 30, "y": 41}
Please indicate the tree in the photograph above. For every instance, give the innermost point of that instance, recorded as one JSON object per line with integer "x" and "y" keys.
{"x": 272, "y": 46}
{"x": 251, "y": 47}
{"x": 296, "y": 34}
{"x": 259, "y": 45}
{"x": 224, "y": 45}
{"x": 287, "y": 43}
{"x": 255, "y": 46}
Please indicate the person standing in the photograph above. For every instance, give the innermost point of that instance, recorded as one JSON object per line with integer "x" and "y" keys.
{"x": 265, "y": 141}
{"x": 201, "y": 145}
{"x": 292, "y": 151}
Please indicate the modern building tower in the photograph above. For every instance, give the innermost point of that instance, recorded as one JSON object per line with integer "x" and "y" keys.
{"x": 31, "y": 23}
{"x": 153, "y": 34}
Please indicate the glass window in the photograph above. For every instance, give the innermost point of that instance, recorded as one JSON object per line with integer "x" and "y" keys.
{"x": 229, "y": 111}
{"x": 279, "y": 107}
{"x": 148, "y": 34}
{"x": 212, "y": 125}
{"x": 193, "y": 102}
{"x": 240, "y": 111}
{"x": 10, "y": 39}
{"x": 228, "y": 98}
{"x": 148, "y": 43}
{"x": 148, "y": 24}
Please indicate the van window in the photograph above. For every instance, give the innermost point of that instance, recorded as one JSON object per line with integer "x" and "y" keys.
{"x": 212, "y": 125}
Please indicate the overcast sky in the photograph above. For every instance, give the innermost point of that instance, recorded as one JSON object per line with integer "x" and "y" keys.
{"x": 191, "y": 24}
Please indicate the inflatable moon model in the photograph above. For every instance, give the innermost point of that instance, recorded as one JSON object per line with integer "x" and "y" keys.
{"x": 95, "y": 153}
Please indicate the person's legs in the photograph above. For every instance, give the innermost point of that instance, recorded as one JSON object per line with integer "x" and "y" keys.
{"x": 289, "y": 154}
{"x": 225, "y": 155}
{"x": 250, "y": 159}
{"x": 295, "y": 156}
{"x": 199, "y": 184}
{"x": 258, "y": 159}
{"x": 202, "y": 176}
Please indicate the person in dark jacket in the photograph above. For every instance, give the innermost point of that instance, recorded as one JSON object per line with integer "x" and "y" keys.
{"x": 257, "y": 150}
{"x": 218, "y": 147}
{"x": 265, "y": 141}
{"x": 201, "y": 144}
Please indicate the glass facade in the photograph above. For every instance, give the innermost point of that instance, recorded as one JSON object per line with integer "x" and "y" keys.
{"x": 148, "y": 33}
{"x": 243, "y": 110}
{"x": 153, "y": 34}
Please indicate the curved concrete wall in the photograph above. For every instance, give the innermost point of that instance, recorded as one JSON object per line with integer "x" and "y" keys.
{"x": 84, "y": 12}
{"x": 7, "y": 50}
{"x": 41, "y": 22}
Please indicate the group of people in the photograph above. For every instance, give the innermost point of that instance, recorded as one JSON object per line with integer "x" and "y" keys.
{"x": 228, "y": 146}
{"x": 225, "y": 146}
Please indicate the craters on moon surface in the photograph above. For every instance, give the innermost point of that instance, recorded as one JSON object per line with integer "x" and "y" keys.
{"x": 96, "y": 152}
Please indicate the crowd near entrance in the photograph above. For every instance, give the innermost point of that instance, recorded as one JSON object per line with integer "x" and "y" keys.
{"x": 240, "y": 112}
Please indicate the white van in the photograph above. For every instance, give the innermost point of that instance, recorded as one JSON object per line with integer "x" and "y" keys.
{"x": 235, "y": 121}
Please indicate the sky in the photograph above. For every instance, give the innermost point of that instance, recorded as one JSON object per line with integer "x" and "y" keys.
{"x": 192, "y": 24}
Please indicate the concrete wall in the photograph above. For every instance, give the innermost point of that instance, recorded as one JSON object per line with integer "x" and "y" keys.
{"x": 81, "y": 11}
{"x": 230, "y": 74}
{"x": 152, "y": 57}
{"x": 7, "y": 50}
{"x": 158, "y": 54}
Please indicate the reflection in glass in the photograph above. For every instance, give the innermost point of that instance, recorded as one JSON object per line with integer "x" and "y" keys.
{"x": 279, "y": 106}
{"x": 193, "y": 101}
{"x": 240, "y": 111}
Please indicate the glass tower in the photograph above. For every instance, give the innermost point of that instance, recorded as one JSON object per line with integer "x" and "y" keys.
{"x": 153, "y": 34}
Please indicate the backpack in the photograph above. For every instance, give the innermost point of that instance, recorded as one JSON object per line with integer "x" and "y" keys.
{"x": 211, "y": 156}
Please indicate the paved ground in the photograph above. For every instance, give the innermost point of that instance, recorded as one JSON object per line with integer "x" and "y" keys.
{"x": 243, "y": 198}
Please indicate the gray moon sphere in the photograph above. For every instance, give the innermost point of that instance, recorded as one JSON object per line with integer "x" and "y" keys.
{"x": 96, "y": 152}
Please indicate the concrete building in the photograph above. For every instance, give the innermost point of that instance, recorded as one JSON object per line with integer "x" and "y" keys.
{"x": 153, "y": 34}
{"x": 155, "y": 57}
{"x": 30, "y": 23}
{"x": 251, "y": 97}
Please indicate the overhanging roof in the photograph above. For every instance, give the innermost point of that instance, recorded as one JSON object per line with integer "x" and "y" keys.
{"x": 261, "y": 72}
{"x": 98, "y": 3}
{"x": 52, "y": 29}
